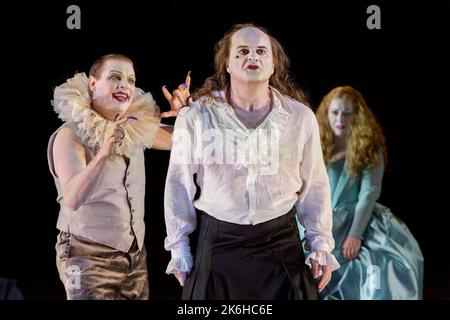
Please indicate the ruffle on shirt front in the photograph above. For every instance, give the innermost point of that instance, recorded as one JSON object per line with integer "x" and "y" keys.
{"x": 72, "y": 103}
{"x": 258, "y": 141}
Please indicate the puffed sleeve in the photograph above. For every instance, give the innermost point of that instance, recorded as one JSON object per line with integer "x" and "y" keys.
{"x": 314, "y": 205}
{"x": 180, "y": 215}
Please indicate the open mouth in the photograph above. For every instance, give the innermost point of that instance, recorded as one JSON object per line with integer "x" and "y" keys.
{"x": 122, "y": 97}
{"x": 340, "y": 126}
{"x": 252, "y": 67}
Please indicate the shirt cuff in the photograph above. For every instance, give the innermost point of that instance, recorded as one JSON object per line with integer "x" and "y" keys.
{"x": 183, "y": 251}
{"x": 323, "y": 258}
{"x": 183, "y": 264}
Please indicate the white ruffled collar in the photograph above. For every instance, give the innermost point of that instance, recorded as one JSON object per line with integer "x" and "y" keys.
{"x": 72, "y": 103}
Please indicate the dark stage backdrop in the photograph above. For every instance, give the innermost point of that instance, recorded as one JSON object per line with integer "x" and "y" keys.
{"x": 402, "y": 71}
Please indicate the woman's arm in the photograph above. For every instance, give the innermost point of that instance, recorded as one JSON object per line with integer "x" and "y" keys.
{"x": 369, "y": 193}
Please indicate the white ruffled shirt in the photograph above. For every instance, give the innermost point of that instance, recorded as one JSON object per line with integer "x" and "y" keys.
{"x": 247, "y": 176}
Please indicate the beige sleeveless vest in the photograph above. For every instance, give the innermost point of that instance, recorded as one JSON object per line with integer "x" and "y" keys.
{"x": 113, "y": 214}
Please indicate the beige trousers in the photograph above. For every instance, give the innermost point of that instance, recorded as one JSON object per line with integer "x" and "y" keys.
{"x": 92, "y": 271}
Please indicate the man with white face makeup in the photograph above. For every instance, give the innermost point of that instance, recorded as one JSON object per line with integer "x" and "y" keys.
{"x": 97, "y": 161}
{"x": 248, "y": 246}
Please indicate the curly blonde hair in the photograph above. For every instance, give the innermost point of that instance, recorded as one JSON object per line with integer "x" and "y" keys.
{"x": 280, "y": 79}
{"x": 366, "y": 139}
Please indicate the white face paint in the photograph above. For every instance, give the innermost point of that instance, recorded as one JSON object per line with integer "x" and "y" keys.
{"x": 114, "y": 90}
{"x": 340, "y": 115}
{"x": 251, "y": 56}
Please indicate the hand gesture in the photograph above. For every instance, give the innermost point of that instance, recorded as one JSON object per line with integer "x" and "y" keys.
{"x": 179, "y": 97}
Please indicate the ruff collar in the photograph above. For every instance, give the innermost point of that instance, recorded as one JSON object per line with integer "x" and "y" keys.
{"x": 72, "y": 103}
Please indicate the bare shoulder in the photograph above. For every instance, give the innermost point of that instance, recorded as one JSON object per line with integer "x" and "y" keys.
{"x": 66, "y": 139}
{"x": 69, "y": 155}
{"x": 67, "y": 134}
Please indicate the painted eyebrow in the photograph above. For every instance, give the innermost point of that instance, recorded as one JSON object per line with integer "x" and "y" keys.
{"x": 259, "y": 47}
{"x": 344, "y": 111}
{"x": 119, "y": 72}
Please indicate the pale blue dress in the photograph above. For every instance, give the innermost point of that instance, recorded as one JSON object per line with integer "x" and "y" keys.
{"x": 390, "y": 262}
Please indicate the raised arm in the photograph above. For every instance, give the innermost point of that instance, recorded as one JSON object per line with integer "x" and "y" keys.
{"x": 179, "y": 98}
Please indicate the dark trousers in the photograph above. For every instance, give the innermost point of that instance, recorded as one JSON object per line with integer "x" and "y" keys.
{"x": 263, "y": 261}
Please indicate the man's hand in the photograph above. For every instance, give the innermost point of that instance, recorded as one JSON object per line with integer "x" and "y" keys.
{"x": 318, "y": 270}
{"x": 179, "y": 97}
{"x": 181, "y": 277}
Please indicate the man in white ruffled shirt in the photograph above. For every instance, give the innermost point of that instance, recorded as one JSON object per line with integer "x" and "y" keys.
{"x": 254, "y": 151}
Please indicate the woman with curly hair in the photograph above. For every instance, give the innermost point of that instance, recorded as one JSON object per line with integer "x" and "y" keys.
{"x": 379, "y": 257}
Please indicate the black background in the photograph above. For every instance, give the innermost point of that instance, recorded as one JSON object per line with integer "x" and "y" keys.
{"x": 402, "y": 71}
